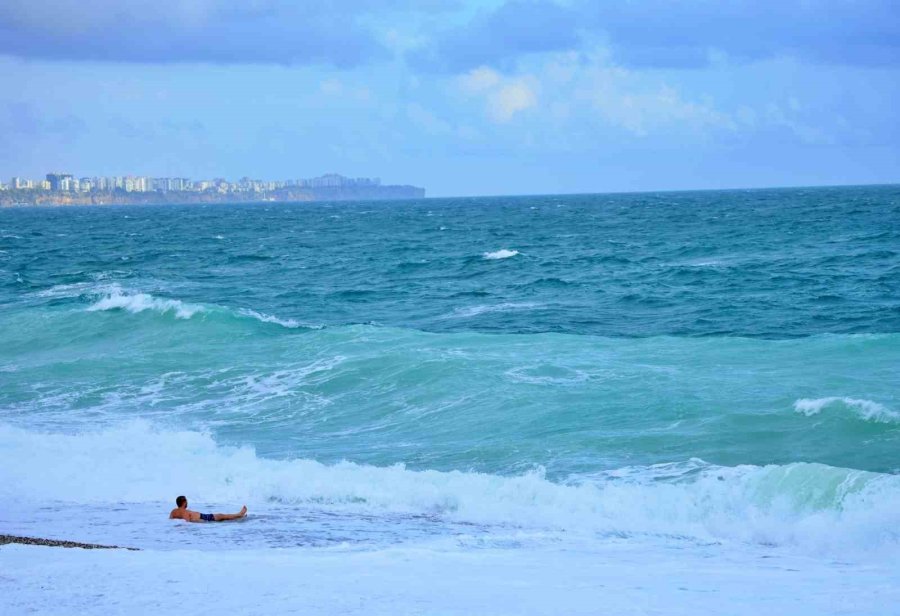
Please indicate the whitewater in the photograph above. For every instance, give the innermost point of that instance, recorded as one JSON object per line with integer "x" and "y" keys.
{"x": 625, "y": 404}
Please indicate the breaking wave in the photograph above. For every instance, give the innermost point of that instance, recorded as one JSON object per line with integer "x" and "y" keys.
{"x": 139, "y": 302}
{"x": 812, "y": 506}
{"x": 113, "y": 297}
{"x": 866, "y": 410}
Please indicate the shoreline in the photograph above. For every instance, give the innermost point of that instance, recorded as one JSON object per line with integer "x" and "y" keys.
{"x": 610, "y": 578}
{"x": 58, "y": 543}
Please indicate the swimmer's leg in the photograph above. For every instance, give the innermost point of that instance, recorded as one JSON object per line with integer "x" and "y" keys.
{"x": 221, "y": 517}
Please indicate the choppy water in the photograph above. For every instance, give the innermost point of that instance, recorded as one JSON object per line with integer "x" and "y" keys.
{"x": 700, "y": 367}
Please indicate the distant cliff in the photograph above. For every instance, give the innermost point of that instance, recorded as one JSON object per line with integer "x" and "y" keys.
{"x": 288, "y": 194}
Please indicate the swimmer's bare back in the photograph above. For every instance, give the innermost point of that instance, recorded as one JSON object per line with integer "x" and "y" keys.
{"x": 181, "y": 512}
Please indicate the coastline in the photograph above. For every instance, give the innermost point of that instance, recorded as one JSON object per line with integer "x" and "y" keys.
{"x": 25, "y": 198}
{"x": 58, "y": 543}
{"x": 619, "y": 578}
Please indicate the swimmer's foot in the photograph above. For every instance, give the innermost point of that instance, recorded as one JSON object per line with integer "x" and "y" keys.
{"x": 243, "y": 511}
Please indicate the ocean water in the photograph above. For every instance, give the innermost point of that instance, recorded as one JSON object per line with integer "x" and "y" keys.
{"x": 660, "y": 378}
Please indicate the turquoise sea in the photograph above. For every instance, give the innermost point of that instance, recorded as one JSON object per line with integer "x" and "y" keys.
{"x": 689, "y": 369}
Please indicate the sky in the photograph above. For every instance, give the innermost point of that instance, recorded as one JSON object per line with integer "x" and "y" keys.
{"x": 461, "y": 97}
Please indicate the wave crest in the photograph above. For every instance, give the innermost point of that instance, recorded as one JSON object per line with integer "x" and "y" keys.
{"x": 503, "y": 253}
{"x": 267, "y": 318}
{"x": 139, "y": 302}
{"x": 867, "y": 410}
{"x": 809, "y": 505}
{"x": 114, "y": 297}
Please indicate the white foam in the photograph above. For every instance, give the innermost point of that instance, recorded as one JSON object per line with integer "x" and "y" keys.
{"x": 547, "y": 375}
{"x": 866, "y": 410}
{"x": 67, "y": 290}
{"x": 615, "y": 578}
{"x": 473, "y": 311}
{"x": 117, "y": 299}
{"x": 96, "y": 287}
{"x": 500, "y": 254}
{"x": 267, "y": 318}
{"x": 815, "y": 507}
{"x": 114, "y": 297}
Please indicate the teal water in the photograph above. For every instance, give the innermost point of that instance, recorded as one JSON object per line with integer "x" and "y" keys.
{"x": 589, "y": 339}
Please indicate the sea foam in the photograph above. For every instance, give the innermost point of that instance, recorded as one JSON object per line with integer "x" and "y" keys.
{"x": 500, "y": 254}
{"x": 267, "y": 318}
{"x": 114, "y": 297}
{"x": 864, "y": 409}
{"x": 139, "y": 302}
{"x": 466, "y": 312}
{"x": 813, "y": 506}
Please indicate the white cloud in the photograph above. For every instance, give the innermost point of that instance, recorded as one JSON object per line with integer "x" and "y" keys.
{"x": 479, "y": 80}
{"x": 661, "y": 108}
{"x": 591, "y": 87}
{"x": 504, "y": 96}
{"x": 583, "y": 97}
{"x": 509, "y": 99}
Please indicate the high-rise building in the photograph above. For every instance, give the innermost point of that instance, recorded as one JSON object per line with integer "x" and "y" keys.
{"x": 326, "y": 181}
{"x": 57, "y": 179}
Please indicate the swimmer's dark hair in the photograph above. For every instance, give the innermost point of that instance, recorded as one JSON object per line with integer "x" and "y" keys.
{"x": 181, "y": 500}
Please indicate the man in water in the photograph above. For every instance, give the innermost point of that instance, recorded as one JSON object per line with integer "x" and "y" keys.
{"x": 181, "y": 512}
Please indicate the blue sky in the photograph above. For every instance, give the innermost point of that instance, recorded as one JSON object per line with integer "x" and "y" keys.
{"x": 464, "y": 98}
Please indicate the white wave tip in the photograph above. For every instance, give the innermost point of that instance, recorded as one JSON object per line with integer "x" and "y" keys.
{"x": 866, "y": 410}
{"x": 267, "y": 318}
{"x": 139, "y": 302}
{"x": 501, "y": 254}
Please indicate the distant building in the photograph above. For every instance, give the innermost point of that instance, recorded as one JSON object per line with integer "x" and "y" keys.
{"x": 331, "y": 185}
{"x": 57, "y": 180}
{"x": 333, "y": 180}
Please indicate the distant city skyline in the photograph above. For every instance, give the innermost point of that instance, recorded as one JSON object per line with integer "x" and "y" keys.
{"x": 466, "y": 97}
{"x": 67, "y": 182}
